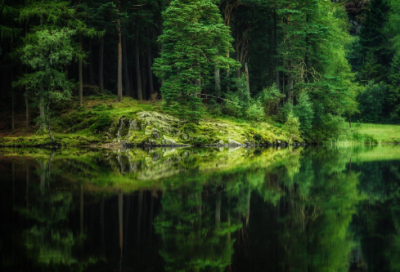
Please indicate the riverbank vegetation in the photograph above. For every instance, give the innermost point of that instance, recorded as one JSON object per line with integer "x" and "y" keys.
{"x": 279, "y": 70}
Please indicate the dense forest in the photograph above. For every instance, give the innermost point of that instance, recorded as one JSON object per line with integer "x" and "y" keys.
{"x": 313, "y": 64}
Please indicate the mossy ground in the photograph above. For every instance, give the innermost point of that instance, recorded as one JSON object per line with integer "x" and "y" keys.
{"x": 96, "y": 123}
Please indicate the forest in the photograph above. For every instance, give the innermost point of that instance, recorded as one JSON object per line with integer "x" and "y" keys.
{"x": 310, "y": 66}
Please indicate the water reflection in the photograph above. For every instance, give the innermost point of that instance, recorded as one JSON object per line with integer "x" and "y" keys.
{"x": 314, "y": 209}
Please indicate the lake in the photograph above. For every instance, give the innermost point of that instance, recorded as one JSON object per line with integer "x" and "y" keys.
{"x": 185, "y": 209}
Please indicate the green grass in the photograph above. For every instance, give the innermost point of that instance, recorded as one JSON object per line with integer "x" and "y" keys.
{"x": 382, "y": 134}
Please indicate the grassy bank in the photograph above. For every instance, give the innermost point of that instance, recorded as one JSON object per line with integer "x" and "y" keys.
{"x": 372, "y": 134}
{"x": 102, "y": 121}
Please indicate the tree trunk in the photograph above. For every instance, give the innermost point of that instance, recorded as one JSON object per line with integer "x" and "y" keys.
{"x": 119, "y": 62}
{"x": 290, "y": 87}
{"x": 101, "y": 60}
{"x": 247, "y": 77}
{"x": 143, "y": 73}
{"x": 126, "y": 71}
{"x": 350, "y": 121}
{"x": 149, "y": 64}
{"x": 276, "y": 51}
{"x": 80, "y": 71}
{"x": 42, "y": 114}
{"x": 27, "y": 107}
{"x": 91, "y": 70}
{"x": 137, "y": 56}
{"x": 217, "y": 80}
{"x": 12, "y": 104}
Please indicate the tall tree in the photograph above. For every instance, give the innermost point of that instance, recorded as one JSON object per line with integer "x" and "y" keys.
{"x": 194, "y": 37}
{"x": 46, "y": 53}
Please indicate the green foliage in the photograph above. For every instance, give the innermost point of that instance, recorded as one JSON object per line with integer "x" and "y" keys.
{"x": 393, "y": 97}
{"x": 194, "y": 37}
{"x": 270, "y": 98}
{"x": 374, "y": 42}
{"x": 304, "y": 111}
{"x": 373, "y": 103}
{"x": 292, "y": 127}
{"x": 255, "y": 111}
{"x": 46, "y": 53}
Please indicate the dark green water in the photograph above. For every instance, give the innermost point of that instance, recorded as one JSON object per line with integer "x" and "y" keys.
{"x": 313, "y": 209}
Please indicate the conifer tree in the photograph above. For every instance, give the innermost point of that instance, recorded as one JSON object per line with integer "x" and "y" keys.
{"x": 374, "y": 43}
{"x": 194, "y": 39}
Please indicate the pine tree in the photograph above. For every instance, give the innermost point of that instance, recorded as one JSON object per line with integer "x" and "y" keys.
{"x": 374, "y": 43}
{"x": 394, "y": 91}
{"x": 194, "y": 39}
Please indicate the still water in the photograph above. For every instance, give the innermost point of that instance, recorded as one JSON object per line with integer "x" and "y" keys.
{"x": 303, "y": 209}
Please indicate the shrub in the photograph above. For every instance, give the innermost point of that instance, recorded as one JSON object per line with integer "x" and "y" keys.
{"x": 304, "y": 111}
{"x": 270, "y": 98}
{"x": 292, "y": 126}
{"x": 255, "y": 111}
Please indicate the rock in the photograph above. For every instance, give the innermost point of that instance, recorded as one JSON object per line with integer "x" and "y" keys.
{"x": 151, "y": 142}
{"x": 148, "y": 130}
{"x": 135, "y": 125}
{"x": 233, "y": 143}
{"x": 156, "y": 134}
{"x": 167, "y": 141}
{"x": 219, "y": 142}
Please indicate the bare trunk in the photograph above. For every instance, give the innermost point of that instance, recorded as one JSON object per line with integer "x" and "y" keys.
{"x": 12, "y": 109}
{"x": 101, "y": 60}
{"x": 126, "y": 71}
{"x": 217, "y": 80}
{"x": 149, "y": 64}
{"x": 143, "y": 74}
{"x": 247, "y": 77}
{"x": 80, "y": 72}
{"x": 42, "y": 114}
{"x": 119, "y": 62}
{"x": 27, "y": 106}
{"x": 137, "y": 57}
{"x": 91, "y": 71}
{"x": 276, "y": 52}
{"x": 290, "y": 88}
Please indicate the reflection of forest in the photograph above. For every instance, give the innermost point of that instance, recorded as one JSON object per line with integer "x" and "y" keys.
{"x": 199, "y": 210}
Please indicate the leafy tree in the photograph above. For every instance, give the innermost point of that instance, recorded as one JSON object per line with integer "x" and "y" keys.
{"x": 46, "y": 53}
{"x": 194, "y": 39}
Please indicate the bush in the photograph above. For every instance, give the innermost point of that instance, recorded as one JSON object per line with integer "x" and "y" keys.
{"x": 255, "y": 111}
{"x": 270, "y": 98}
{"x": 292, "y": 126}
{"x": 304, "y": 111}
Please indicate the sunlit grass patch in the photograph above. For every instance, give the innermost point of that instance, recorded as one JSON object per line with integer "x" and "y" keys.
{"x": 381, "y": 133}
